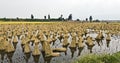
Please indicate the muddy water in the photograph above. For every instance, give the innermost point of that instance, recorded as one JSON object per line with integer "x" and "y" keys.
{"x": 65, "y": 57}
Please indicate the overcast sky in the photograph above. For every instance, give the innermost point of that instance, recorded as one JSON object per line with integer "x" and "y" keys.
{"x": 99, "y": 9}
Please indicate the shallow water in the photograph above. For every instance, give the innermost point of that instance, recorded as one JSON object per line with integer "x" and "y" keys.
{"x": 68, "y": 57}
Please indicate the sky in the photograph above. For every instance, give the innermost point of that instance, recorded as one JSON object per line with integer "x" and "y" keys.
{"x": 99, "y": 9}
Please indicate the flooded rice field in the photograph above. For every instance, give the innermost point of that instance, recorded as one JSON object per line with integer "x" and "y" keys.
{"x": 50, "y": 46}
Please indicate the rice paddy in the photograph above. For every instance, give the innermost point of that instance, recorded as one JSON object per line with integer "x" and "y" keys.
{"x": 56, "y": 42}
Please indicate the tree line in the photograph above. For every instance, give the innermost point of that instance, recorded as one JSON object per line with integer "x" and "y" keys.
{"x": 46, "y": 18}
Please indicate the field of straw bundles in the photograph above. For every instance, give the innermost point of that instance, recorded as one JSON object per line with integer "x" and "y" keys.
{"x": 59, "y": 42}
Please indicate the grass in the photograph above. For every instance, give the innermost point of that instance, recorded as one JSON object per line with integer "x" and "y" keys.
{"x": 103, "y": 58}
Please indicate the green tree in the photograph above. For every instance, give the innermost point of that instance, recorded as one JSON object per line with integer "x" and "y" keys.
{"x": 32, "y": 17}
{"x": 90, "y": 18}
{"x": 70, "y": 17}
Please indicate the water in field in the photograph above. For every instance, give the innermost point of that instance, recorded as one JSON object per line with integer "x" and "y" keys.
{"x": 65, "y": 57}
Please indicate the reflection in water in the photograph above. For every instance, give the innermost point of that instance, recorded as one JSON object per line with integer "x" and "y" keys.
{"x": 27, "y": 56}
{"x": 90, "y": 48}
{"x": 9, "y": 55}
{"x": 36, "y": 58}
{"x": 108, "y": 39}
{"x": 2, "y": 53}
{"x": 22, "y": 46}
{"x": 99, "y": 42}
{"x": 66, "y": 50}
{"x": 107, "y": 42}
{"x": 46, "y": 59}
{"x": 80, "y": 50}
{"x": 72, "y": 49}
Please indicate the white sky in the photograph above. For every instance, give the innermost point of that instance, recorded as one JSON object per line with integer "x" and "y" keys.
{"x": 99, "y": 9}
